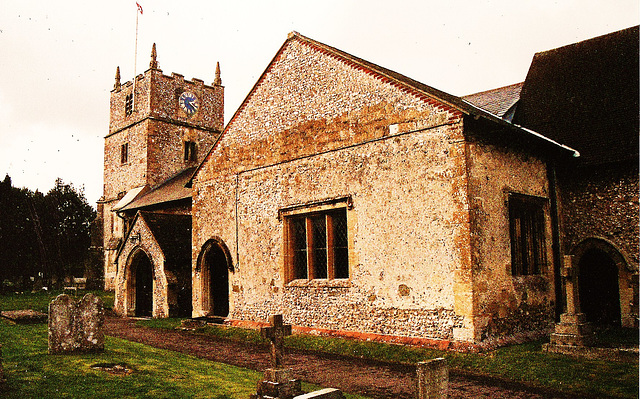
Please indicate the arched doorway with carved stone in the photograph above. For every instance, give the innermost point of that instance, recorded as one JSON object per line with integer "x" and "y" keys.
{"x": 215, "y": 263}
{"x": 600, "y": 266}
{"x": 139, "y": 284}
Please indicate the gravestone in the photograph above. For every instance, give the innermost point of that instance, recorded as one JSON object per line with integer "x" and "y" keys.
{"x": 76, "y": 327}
{"x": 433, "y": 379}
{"x": 278, "y": 381}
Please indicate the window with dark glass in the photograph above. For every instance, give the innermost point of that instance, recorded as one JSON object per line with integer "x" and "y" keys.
{"x": 318, "y": 245}
{"x": 190, "y": 152}
{"x": 526, "y": 228}
{"x": 124, "y": 153}
{"x": 128, "y": 104}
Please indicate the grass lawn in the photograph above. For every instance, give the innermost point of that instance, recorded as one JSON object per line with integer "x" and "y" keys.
{"x": 33, "y": 373}
{"x": 525, "y": 363}
{"x": 40, "y": 300}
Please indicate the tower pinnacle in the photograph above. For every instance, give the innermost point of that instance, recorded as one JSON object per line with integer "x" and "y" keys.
{"x": 116, "y": 86}
{"x": 154, "y": 63}
{"x": 218, "y": 80}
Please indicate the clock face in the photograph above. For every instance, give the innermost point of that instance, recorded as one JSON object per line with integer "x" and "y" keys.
{"x": 189, "y": 103}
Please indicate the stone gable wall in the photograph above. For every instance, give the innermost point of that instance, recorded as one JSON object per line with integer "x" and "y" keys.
{"x": 336, "y": 106}
{"x": 317, "y": 128}
{"x": 124, "y": 303}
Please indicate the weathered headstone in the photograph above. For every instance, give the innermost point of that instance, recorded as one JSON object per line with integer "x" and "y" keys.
{"x": 76, "y": 326}
{"x": 433, "y": 379}
{"x": 278, "y": 381}
{"x": 573, "y": 329}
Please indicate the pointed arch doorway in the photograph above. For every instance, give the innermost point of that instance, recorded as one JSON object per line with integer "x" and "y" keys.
{"x": 215, "y": 263}
{"x": 140, "y": 287}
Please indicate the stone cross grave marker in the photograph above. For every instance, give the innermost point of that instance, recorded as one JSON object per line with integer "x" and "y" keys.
{"x": 276, "y": 333}
{"x": 278, "y": 381}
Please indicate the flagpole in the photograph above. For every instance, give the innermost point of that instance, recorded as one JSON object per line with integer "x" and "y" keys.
{"x": 135, "y": 63}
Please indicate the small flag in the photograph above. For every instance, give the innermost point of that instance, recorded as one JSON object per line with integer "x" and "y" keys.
{"x": 139, "y": 7}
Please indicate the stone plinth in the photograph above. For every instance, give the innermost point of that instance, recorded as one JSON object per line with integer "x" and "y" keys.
{"x": 433, "y": 379}
{"x": 76, "y": 326}
{"x": 278, "y": 383}
{"x": 573, "y": 330}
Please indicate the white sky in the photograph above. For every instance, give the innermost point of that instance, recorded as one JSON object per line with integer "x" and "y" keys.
{"x": 58, "y": 58}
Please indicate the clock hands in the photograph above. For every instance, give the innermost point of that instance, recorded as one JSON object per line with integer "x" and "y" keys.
{"x": 189, "y": 103}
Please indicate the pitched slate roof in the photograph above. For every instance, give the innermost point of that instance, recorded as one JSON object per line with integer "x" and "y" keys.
{"x": 172, "y": 189}
{"x": 497, "y": 101}
{"x": 585, "y": 95}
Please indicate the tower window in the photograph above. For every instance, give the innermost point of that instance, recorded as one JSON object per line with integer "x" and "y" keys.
{"x": 128, "y": 105}
{"x": 124, "y": 153}
{"x": 526, "y": 225}
{"x": 190, "y": 151}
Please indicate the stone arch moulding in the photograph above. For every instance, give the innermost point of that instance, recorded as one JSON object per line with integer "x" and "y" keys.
{"x": 207, "y": 246}
{"x": 606, "y": 246}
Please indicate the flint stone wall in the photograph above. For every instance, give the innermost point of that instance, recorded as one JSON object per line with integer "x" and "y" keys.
{"x": 342, "y": 133}
{"x": 76, "y": 326}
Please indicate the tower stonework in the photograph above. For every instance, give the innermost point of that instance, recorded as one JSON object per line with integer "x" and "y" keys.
{"x": 159, "y": 126}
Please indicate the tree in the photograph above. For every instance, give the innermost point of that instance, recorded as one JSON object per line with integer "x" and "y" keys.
{"x": 66, "y": 223}
{"x": 18, "y": 254}
{"x": 43, "y": 235}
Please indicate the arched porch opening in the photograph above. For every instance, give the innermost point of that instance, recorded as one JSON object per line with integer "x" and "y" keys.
{"x": 215, "y": 264}
{"x": 600, "y": 266}
{"x": 140, "y": 284}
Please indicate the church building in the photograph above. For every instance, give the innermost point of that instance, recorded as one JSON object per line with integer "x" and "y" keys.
{"x": 350, "y": 198}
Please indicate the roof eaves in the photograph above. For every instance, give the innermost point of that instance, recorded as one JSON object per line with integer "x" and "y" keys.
{"x": 494, "y": 118}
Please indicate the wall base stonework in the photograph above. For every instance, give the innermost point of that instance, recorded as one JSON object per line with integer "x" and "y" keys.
{"x": 341, "y": 309}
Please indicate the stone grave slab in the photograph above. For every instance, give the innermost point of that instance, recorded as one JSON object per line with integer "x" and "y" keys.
{"x": 326, "y": 393}
{"x": 25, "y": 316}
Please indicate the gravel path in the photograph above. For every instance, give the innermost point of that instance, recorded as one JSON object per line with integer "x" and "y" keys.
{"x": 370, "y": 378}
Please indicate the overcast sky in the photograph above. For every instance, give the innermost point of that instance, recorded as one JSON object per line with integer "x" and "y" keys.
{"x": 58, "y": 58}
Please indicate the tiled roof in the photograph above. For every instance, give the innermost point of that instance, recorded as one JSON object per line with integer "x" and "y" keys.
{"x": 585, "y": 95}
{"x": 497, "y": 101}
{"x": 172, "y": 189}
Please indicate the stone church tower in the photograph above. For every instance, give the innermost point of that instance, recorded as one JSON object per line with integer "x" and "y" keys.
{"x": 159, "y": 127}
